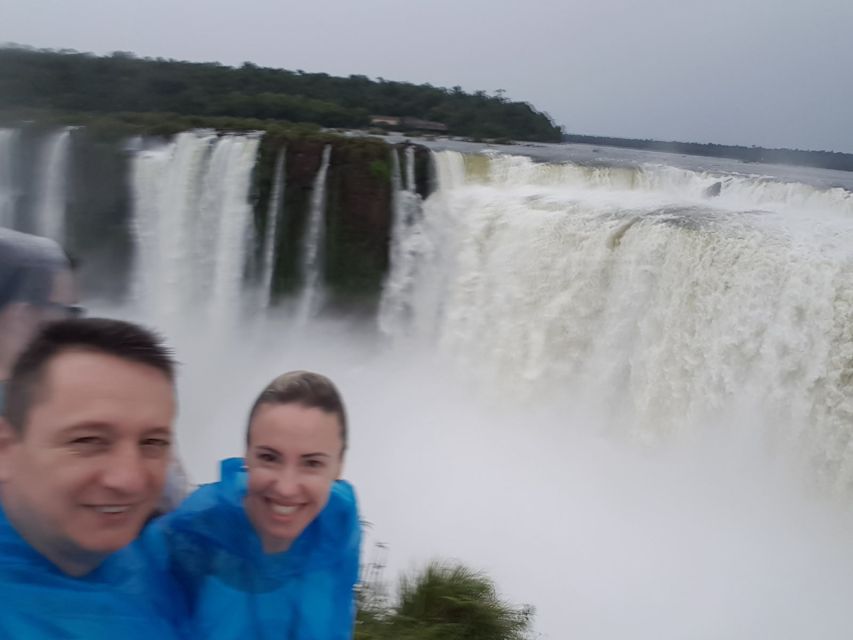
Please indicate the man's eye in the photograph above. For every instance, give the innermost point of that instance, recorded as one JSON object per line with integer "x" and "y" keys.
{"x": 88, "y": 443}
{"x": 159, "y": 443}
{"x": 155, "y": 447}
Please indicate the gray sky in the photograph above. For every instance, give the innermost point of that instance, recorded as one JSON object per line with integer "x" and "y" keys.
{"x": 763, "y": 72}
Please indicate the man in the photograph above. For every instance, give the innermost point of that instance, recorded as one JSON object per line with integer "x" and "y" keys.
{"x": 36, "y": 285}
{"x": 84, "y": 449}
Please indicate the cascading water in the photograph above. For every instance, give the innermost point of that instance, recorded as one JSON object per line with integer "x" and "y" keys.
{"x": 410, "y": 169}
{"x": 231, "y": 171}
{"x": 649, "y": 301}
{"x": 270, "y": 237}
{"x": 191, "y": 219}
{"x": 421, "y": 252}
{"x": 313, "y": 243}
{"x": 48, "y": 213}
{"x": 632, "y": 290}
{"x": 8, "y": 195}
{"x": 407, "y": 238}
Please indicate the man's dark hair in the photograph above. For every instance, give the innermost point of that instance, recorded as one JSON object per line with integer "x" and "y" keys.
{"x": 304, "y": 388}
{"x": 117, "y": 338}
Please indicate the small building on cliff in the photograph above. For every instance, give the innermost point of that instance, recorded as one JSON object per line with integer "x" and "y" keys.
{"x": 405, "y": 122}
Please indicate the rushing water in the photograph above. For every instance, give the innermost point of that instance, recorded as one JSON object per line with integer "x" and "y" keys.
{"x": 49, "y": 210}
{"x": 313, "y": 247}
{"x": 622, "y": 389}
{"x": 271, "y": 234}
{"x": 192, "y": 219}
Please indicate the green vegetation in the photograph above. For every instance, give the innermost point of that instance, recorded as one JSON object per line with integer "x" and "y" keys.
{"x": 81, "y": 82}
{"x": 112, "y": 127}
{"x": 442, "y": 602}
{"x": 821, "y": 159}
{"x": 379, "y": 169}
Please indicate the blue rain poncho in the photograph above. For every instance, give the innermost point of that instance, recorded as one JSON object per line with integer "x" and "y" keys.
{"x": 235, "y": 590}
{"x": 125, "y": 597}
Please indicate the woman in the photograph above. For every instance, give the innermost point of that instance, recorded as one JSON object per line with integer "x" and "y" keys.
{"x": 272, "y": 549}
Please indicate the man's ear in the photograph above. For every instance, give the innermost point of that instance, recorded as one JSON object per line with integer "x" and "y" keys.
{"x": 8, "y": 440}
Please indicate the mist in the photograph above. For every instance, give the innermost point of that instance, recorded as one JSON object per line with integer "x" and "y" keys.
{"x": 708, "y": 535}
{"x": 621, "y": 398}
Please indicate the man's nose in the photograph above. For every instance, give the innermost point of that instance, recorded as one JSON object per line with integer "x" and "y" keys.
{"x": 125, "y": 470}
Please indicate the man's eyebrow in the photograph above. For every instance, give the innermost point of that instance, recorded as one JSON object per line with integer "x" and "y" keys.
{"x": 159, "y": 431}
{"x": 86, "y": 426}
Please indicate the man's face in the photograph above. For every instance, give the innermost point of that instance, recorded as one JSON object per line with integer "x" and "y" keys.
{"x": 90, "y": 465}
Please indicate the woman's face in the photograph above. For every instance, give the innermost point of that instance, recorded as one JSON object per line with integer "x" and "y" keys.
{"x": 294, "y": 455}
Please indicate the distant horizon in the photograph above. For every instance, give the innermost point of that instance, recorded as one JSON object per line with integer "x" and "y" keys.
{"x": 709, "y": 143}
{"x": 738, "y": 76}
{"x": 71, "y": 51}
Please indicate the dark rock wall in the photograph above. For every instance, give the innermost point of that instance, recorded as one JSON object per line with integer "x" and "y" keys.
{"x": 358, "y": 210}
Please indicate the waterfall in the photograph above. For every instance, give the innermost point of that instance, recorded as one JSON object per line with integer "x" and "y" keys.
{"x": 410, "y": 168}
{"x": 48, "y": 213}
{"x": 231, "y": 171}
{"x": 8, "y": 194}
{"x": 313, "y": 246}
{"x": 270, "y": 237}
{"x": 191, "y": 225}
{"x": 407, "y": 245}
{"x": 422, "y": 252}
{"x": 632, "y": 291}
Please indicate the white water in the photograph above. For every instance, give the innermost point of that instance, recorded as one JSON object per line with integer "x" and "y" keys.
{"x": 410, "y": 168}
{"x": 191, "y": 219}
{"x": 49, "y": 209}
{"x": 610, "y": 393}
{"x": 406, "y": 246}
{"x": 313, "y": 249}
{"x": 8, "y": 194}
{"x": 230, "y": 175}
{"x": 655, "y": 304}
{"x": 273, "y": 213}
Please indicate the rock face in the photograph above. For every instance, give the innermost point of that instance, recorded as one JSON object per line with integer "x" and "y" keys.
{"x": 358, "y": 209}
{"x": 358, "y": 212}
{"x": 714, "y": 190}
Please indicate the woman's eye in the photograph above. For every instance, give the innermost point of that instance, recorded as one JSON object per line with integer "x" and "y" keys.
{"x": 266, "y": 457}
{"x": 314, "y": 464}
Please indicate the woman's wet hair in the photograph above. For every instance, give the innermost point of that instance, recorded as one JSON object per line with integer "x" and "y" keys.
{"x": 306, "y": 389}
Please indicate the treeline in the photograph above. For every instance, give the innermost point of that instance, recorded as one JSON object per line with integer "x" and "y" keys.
{"x": 821, "y": 159}
{"x": 121, "y": 82}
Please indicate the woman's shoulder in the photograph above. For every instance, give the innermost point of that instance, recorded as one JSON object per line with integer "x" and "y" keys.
{"x": 343, "y": 496}
{"x": 336, "y": 533}
{"x": 213, "y": 513}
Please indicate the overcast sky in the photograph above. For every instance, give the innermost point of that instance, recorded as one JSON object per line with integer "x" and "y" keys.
{"x": 763, "y": 72}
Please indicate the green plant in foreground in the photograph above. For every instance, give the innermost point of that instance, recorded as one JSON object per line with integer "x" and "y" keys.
{"x": 444, "y": 601}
